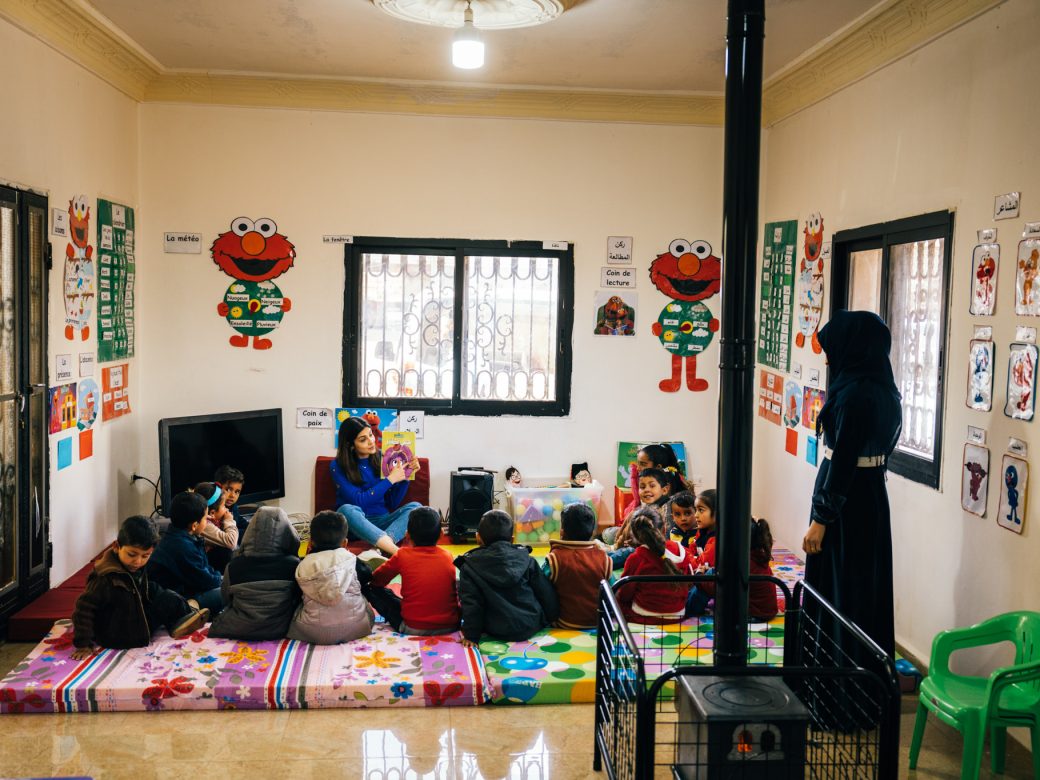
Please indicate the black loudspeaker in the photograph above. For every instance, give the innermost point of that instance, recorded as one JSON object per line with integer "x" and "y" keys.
{"x": 472, "y": 492}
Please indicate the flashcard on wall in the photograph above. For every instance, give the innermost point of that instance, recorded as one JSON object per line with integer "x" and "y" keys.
{"x": 398, "y": 450}
{"x": 619, "y": 250}
{"x": 62, "y": 407}
{"x": 62, "y": 368}
{"x": 975, "y": 479}
{"x": 688, "y": 273}
{"x": 378, "y": 420}
{"x": 984, "y": 262}
{"x": 86, "y": 444}
{"x": 414, "y": 421}
{"x": 615, "y": 314}
{"x": 87, "y": 402}
{"x": 810, "y": 284}
{"x": 980, "y": 375}
{"x": 86, "y": 364}
{"x": 814, "y": 377}
{"x": 79, "y": 271}
{"x": 811, "y": 450}
{"x": 1027, "y": 287}
{"x": 1021, "y": 381}
{"x": 791, "y": 442}
{"x": 115, "y": 391}
{"x": 64, "y": 453}
{"x": 792, "y": 404}
{"x": 1011, "y": 513}
{"x": 253, "y": 253}
{"x": 812, "y": 402}
{"x": 770, "y": 395}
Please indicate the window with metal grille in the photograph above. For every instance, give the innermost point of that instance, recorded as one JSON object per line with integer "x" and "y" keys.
{"x": 457, "y": 326}
{"x": 901, "y": 271}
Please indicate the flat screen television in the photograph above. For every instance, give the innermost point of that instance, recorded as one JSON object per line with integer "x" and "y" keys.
{"x": 192, "y": 448}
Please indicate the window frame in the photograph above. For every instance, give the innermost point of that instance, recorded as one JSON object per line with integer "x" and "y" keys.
{"x": 460, "y": 248}
{"x": 884, "y": 235}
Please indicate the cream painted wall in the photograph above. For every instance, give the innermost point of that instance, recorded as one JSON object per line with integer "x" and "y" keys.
{"x": 318, "y": 173}
{"x": 948, "y": 127}
{"x": 65, "y": 133}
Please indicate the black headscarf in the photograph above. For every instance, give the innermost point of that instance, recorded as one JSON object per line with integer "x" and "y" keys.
{"x": 857, "y": 344}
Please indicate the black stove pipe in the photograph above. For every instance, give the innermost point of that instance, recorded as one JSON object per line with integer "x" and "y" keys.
{"x": 744, "y": 36}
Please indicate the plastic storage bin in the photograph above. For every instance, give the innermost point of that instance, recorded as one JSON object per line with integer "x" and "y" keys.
{"x": 537, "y": 508}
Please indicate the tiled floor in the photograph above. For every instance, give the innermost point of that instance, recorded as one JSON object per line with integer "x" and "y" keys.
{"x": 461, "y": 742}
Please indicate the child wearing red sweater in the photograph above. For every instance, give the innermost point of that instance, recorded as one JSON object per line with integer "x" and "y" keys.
{"x": 762, "y": 601}
{"x": 654, "y": 603}
{"x": 429, "y": 602}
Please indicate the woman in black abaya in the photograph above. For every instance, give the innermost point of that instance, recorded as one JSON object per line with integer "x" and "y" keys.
{"x": 849, "y": 542}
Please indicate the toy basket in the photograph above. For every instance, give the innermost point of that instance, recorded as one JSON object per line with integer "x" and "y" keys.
{"x": 537, "y": 508}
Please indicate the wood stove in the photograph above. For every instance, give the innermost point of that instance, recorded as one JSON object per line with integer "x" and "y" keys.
{"x": 746, "y": 727}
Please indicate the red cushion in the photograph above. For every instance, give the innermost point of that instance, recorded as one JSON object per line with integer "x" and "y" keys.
{"x": 32, "y": 622}
{"x": 325, "y": 489}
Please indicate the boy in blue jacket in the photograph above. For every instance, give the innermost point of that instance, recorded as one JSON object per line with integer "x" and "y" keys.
{"x": 179, "y": 561}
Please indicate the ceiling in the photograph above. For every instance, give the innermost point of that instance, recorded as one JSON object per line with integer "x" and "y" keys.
{"x": 637, "y": 45}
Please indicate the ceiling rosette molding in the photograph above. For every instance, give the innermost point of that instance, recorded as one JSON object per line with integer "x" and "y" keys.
{"x": 890, "y": 31}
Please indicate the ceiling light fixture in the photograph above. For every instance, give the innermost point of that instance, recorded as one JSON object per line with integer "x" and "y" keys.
{"x": 467, "y": 47}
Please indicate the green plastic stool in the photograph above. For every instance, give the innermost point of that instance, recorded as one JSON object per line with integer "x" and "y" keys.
{"x": 1010, "y": 696}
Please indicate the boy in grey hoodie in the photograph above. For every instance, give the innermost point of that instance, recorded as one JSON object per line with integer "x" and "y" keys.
{"x": 502, "y": 590}
{"x": 333, "y": 609}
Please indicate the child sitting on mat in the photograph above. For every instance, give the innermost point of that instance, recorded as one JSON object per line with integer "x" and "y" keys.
{"x": 179, "y": 561}
{"x": 654, "y": 603}
{"x": 231, "y": 481}
{"x": 703, "y": 551}
{"x": 120, "y": 607}
{"x": 429, "y": 601}
{"x": 762, "y": 600}
{"x": 259, "y": 588}
{"x": 220, "y": 531}
{"x": 681, "y": 518}
{"x": 502, "y": 589}
{"x": 654, "y": 488}
{"x": 575, "y": 566}
{"x": 333, "y": 609}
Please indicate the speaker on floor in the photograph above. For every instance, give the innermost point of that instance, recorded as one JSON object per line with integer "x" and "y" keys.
{"x": 472, "y": 492}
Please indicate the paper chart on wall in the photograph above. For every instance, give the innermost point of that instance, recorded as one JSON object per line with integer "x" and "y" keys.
{"x": 792, "y": 404}
{"x": 975, "y": 479}
{"x": 1011, "y": 512}
{"x": 777, "y": 287}
{"x": 1021, "y": 381}
{"x": 115, "y": 391}
{"x": 985, "y": 261}
{"x": 79, "y": 272}
{"x": 770, "y": 395}
{"x": 62, "y": 407}
{"x": 980, "y": 375}
{"x": 116, "y": 271}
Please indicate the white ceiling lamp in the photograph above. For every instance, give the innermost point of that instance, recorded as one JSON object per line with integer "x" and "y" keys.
{"x": 467, "y": 47}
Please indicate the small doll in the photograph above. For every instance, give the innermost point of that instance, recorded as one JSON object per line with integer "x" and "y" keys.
{"x": 514, "y": 477}
{"x": 580, "y": 475}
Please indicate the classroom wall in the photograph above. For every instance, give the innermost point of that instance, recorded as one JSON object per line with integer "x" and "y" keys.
{"x": 66, "y": 133}
{"x": 320, "y": 173}
{"x": 948, "y": 127}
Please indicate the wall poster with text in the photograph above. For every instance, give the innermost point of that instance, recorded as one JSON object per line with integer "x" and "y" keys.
{"x": 775, "y": 308}
{"x": 115, "y": 281}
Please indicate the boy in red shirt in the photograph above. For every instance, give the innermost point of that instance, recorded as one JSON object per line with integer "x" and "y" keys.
{"x": 429, "y": 602}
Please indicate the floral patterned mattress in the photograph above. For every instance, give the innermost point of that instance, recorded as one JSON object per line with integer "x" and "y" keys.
{"x": 381, "y": 670}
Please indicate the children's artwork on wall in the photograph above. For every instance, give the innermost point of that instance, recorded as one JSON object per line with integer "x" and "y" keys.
{"x": 1027, "y": 287}
{"x": 87, "y": 402}
{"x": 79, "y": 271}
{"x": 1011, "y": 513}
{"x": 774, "y": 316}
{"x": 975, "y": 479}
{"x": 688, "y": 273}
{"x": 615, "y": 314}
{"x": 792, "y": 404}
{"x": 64, "y": 453}
{"x": 253, "y": 253}
{"x": 985, "y": 260}
{"x": 810, "y": 284}
{"x": 813, "y": 400}
{"x": 812, "y": 446}
{"x": 115, "y": 391}
{"x": 1021, "y": 381}
{"x": 378, "y": 420}
{"x": 980, "y": 375}
{"x": 398, "y": 449}
{"x": 63, "y": 407}
{"x": 770, "y": 395}
{"x": 116, "y": 272}
{"x": 628, "y": 451}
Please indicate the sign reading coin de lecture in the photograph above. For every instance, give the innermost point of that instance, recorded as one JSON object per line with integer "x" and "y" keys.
{"x": 617, "y": 277}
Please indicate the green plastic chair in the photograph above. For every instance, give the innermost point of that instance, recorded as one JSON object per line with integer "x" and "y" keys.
{"x": 1010, "y": 696}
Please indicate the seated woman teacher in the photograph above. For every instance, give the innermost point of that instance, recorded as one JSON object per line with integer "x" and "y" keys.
{"x": 849, "y": 542}
{"x": 370, "y": 503}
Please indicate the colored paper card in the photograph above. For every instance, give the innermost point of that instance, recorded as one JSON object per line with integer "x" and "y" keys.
{"x": 629, "y": 450}
{"x": 86, "y": 444}
{"x": 115, "y": 391}
{"x": 62, "y": 407}
{"x": 770, "y": 395}
{"x": 791, "y": 443}
{"x": 1014, "y": 480}
{"x": 64, "y": 453}
{"x": 777, "y": 299}
{"x": 88, "y": 400}
{"x": 792, "y": 404}
{"x": 398, "y": 450}
{"x": 378, "y": 420}
{"x": 812, "y": 450}
{"x": 812, "y": 402}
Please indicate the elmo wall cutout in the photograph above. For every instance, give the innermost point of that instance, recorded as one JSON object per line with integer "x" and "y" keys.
{"x": 253, "y": 253}
{"x": 688, "y": 272}
{"x": 79, "y": 271}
